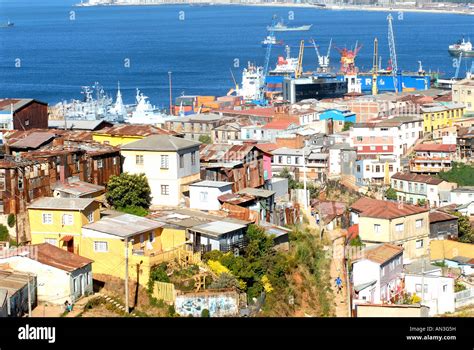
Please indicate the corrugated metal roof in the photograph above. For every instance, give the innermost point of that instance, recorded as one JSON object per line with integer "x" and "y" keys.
{"x": 257, "y": 192}
{"x": 61, "y": 203}
{"x": 90, "y": 125}
{"x": 124, "y": 226}
{"x": 34, "y": 140}
{"x": 160, "y": 143}
{"x": 134, "y": 130}
{"x": 216, "y": 184}
{"x": 218, "y": 228}
{"x": 78, "y": 188}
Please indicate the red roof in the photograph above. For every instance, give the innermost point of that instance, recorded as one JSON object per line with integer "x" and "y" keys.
{"x": 374, "y": 208}
{"x": 280, "y": 124}
{"x": 260, "y": 112}
{"x": 267, "y": 147}
{"x": 439, "y": 216}
{"x": 353, "y": 231}
{"x": 435, "y": 147}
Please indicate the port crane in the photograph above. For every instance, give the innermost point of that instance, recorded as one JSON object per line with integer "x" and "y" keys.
{"x": 375, "y": 67}
{"x": 393, "y": 54}
{"x": 323, "y": 61}
{"x": 299, "y": 68}
{"x": 269, "y": 47}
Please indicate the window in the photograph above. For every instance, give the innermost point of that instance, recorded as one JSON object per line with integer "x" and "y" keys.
{"x": 445, "y": 288}
{"x": 2, "y": 181}
{"x": 139, "y": 159}
{"x": 20, "y": 182}
{"x": 419, "y": 244}
{"x": 193, "y": 158}
{"x": 164, "y": 162}
{"x": 359, "y": 138}
{"x": 377, "y": 168}
{"x": 152, "y": 237}
{"x": 280, "y": 159}
{"x": 68, "y": 220}
{"x": 358, "y": 168}
{"x": 90, "y": 217}
{"x": 181, "y": 161}
{"x": 399, "y": 227}
{"x": 100, "y": 163}
{"x": 385, "y": 148}
{"x": 377, "y": 228}
{"x": 367, "y": 168}
{"x": 297, "y": 160}
{"x": 390, "y": 168}
{"x": 47, "y": 219}
{"x": 52, "y": 241}
{"x": 114, "y": 160}
{"x": 203, "y": 196}
{"x": 165, "y": 190}
{"x": 142, "y": 238}
{"x": 419, "y": 223}
{"x": 101, "y": 247}
{"x": 372, "y": 148}
{"x": 288, "y": 160}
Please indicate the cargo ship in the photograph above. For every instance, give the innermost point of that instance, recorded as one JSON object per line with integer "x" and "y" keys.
{"x": 282, "y": 27}
{"x": 461, "y": 47}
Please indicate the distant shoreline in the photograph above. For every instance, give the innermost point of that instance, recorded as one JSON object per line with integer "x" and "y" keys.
{"x": 329, "y": 7}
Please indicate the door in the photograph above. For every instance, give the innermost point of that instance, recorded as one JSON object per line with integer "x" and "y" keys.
{"x": 70, "y": 245}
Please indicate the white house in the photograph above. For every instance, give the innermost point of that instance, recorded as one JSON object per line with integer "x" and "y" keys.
{"x": 376, "y": 169}
{"x": 438, "y": 293}
{"x": 204, "y": 195}
{"x": 376, "y": 275}
{"x": 61, "y": 275}
{"x": 463, "y": 196}
{"x": 169, "y": 163}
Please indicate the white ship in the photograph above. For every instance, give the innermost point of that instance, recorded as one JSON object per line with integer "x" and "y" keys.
{"x": 281, "y": 27}
{"x": 253, "y": 82}
{"x": 285, "y": 66}
{"x": 146, "y": 113}
{"x": 271, "y": 40}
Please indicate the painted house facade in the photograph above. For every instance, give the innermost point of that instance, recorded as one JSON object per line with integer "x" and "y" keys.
{"x": 390, "y": 222}
{"x": 169, "y": 163}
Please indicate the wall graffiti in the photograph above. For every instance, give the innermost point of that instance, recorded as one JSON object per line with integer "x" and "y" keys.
{"x": 218, "y": 304}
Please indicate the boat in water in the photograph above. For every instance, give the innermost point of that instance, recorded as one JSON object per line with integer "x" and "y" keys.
{"x": 7, "y": 25}
{"x": 286, "y": 66}
{"x": 461, "y": 47}
{"x": 253, "y": 81}
{"x": 271, "y": 40}
{"x": 282, "y": 27}
{"x": 146, "y": 113}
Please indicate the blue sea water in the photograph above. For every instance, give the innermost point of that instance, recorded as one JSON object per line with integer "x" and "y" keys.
{"x": 58, "y": 51}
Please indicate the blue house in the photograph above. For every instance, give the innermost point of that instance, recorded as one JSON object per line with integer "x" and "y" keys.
{"x": 338, "y": 115}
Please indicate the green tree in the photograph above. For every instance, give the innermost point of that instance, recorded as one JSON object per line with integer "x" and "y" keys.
{"x": 465, "y": 232}
{"x": 11, "y": 220}
{"x": 4, "y": 235}
{"x": 391, "y": 194}
{"x": 460, "y": 173}
{"x": 129, "y": 190}
{"x": 421, "y": 202}
{"x": 292, "y": 183}
{"x": 347, "y": 126}
{"x": 205, "y": 139}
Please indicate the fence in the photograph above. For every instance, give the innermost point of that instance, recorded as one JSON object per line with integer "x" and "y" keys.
{"x": 164, "y": 291}
{"x": 464, "y": 298}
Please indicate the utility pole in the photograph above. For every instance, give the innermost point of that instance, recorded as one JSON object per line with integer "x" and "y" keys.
{"x": 171, "y": 96}
{"x": 126, "y": 276}
{"x": 304, "y": 181}
{"x": 29, "y": 296}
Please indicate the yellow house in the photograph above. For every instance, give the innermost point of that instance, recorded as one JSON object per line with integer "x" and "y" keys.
{"x": 59, "y": 221}
{"x": 122, "y": 134}
{"x": 441, "y": 115}
{"x": 463, "y": 92}
{"x": 396, "y": 223}
{"x": 148, "y": 243}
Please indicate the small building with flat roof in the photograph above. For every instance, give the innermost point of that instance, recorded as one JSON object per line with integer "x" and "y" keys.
{"x": 204, "y": 195}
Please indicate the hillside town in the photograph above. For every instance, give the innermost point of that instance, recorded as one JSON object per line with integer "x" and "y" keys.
{"x": 226, "y": 211}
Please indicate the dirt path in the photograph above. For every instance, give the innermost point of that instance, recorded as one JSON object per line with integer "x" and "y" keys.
{"x": 337, "y": 270}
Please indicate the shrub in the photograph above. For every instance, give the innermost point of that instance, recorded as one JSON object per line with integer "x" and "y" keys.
{"x": 138, "y": 211}
{"x": 4, "y": 235}
{"x": 11, "y": 220}
{"x": 205, "y": 313}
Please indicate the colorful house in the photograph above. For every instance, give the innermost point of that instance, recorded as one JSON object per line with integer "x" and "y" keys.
{"x": 441, "y": 114}
{"x": 59, "y": 221}
{"x": 147, "y": 242}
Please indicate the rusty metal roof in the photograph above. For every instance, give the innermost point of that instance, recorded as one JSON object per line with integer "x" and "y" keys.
{"x": 34, "y": 140}
{"x": 133, "y": 130}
